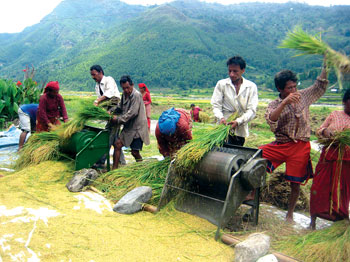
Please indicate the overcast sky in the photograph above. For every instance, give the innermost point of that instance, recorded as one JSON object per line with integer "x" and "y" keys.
{"x": 17, "y": 14}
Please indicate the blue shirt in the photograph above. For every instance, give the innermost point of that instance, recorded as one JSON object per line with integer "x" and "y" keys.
{"x": 31, "y": 110}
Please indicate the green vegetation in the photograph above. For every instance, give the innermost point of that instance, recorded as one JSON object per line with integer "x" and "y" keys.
{"x": 12, "y": 95}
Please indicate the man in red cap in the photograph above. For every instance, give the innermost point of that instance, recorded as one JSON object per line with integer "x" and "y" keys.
{"x": 51, "y": 108}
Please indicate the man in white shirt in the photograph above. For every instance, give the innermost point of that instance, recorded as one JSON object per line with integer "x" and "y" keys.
{"x": 235, "y": 94}
{"x": 107, "y": 91}
{"x": 106, "y": 88}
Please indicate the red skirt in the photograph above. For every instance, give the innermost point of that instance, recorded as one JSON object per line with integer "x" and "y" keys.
{"x": 330, "y": 190}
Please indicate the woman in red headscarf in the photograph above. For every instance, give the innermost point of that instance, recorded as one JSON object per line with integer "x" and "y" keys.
{"x": 146, "y": 95}
{"x": 51, "y": 108}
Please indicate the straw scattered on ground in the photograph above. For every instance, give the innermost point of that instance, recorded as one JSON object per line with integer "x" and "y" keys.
{"x": 118, "y": 182}
{"x": 328, "y": 245}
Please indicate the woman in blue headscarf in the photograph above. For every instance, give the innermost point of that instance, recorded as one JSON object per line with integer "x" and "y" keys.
{"x": 173, "y": 130}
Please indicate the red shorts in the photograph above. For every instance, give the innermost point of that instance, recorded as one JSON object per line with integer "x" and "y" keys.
{"x": 295, "y": 155}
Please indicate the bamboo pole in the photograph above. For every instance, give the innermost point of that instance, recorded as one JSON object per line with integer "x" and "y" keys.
{"x": 149, "y": 208}
{"x": 232, "y": 241}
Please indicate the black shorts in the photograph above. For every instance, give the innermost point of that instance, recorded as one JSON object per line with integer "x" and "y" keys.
{"x": 236, "y": 140}
{"x": 136, "y": 144}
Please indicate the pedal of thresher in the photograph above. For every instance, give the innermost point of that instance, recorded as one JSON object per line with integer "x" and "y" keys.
{"x": 222, "y": 181}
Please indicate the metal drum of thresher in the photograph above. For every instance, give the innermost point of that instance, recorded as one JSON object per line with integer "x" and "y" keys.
{"x": 219, "y": 185}
{"x": 218, "y": 167}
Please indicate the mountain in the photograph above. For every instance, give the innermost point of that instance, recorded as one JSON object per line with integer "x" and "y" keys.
{"x": 182, "y": 44}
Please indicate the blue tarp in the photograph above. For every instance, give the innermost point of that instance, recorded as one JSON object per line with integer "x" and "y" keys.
{"x": 9, "y": 145}
{"x": 10, "y": 137}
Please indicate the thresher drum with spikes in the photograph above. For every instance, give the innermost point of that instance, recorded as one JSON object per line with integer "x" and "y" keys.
{"x": 222, "y": 181}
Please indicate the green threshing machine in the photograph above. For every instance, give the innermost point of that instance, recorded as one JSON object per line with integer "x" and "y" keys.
{"x": 88, "y": 146}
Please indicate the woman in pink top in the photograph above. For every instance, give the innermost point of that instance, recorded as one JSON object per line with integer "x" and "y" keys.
{"x": 330, "y": 190}
{"x": 146, "y": 96}
{"x": 51, "y": 108}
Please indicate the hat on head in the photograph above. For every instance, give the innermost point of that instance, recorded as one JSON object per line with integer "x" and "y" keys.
{"x": 168, "y": 120}
{"x": 143, "y": 85}
{"x": 53, "y": 85}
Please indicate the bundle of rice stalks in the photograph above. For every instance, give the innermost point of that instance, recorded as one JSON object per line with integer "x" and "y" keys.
{"x": 307, "y": 44}
{"x": 203, "y": 117}
{"x": 39, "y": 147}
{"x": 86, "y": 112}
{"x": 340, "y": 139}
{"x": 329, "y": 245}
{"x": 118, "y": 182}
{"x": 190, "y": 154}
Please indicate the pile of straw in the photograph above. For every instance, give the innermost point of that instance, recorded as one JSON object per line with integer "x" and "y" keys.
{"x": 47, "y": 145}
{"x": 203, "y": 117}
{"x": 118, "y": 182}
{"x": 307, "y": 44}
{"x": 277, "y": 193}
{"x": 39, "y": 147}
{"x": 329, "y": 245}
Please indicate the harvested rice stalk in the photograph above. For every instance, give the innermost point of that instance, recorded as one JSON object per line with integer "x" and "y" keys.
{"x": 203, "y": 117}
{"x": 341, "y": 138}
{"x": 190, "y": 154}
{"x": 331, "y": 244}
{"x": 118, "y": 182}
{"x": 307, "y": 44}
{"x": 87, "y": 112}
{"x": 39, "y": 147}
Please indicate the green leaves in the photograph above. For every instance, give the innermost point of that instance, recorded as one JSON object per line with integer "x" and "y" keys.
{"x": 12, "y": 95}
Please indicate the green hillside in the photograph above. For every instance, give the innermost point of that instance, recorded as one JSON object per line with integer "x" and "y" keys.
{"x": 183, "y": 44}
